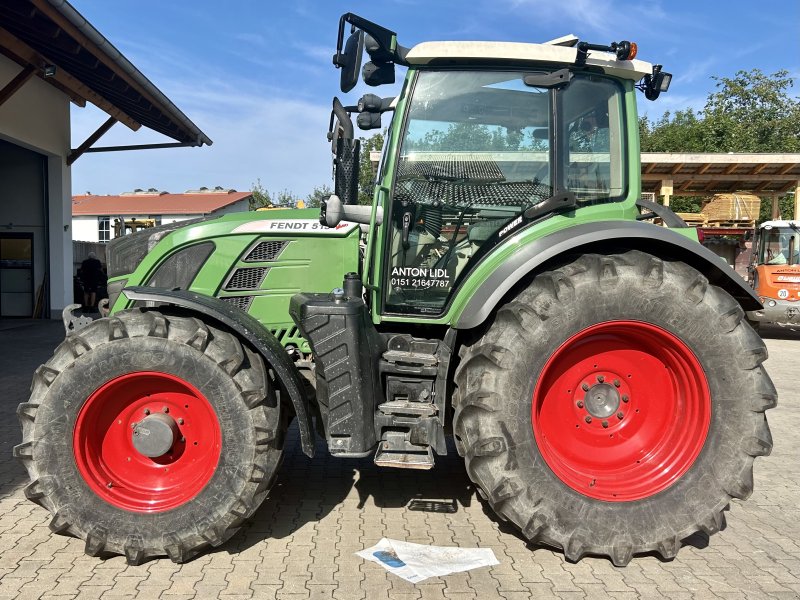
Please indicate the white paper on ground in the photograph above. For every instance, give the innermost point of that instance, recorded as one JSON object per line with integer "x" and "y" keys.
{"x": 417, "y": 562}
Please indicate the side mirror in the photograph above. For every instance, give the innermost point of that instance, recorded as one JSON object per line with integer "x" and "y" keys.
{"x": 350, "y": 61}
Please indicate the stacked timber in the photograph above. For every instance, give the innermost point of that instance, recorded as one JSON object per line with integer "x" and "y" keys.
{"x": 731, "y": 210}
{"x": 694, "y": 219}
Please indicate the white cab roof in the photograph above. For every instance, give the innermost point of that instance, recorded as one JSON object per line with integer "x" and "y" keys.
{"x": 775, "y": 224}
{"x": 424, "y": 53}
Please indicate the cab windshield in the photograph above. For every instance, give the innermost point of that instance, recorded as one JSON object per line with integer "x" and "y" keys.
{"x": 779, "y": 246}
{"x": 479, "y": 149}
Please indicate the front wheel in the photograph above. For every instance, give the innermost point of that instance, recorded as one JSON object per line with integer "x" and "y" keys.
{"x": 149, "y": 434}
{"x": 614, "y": 407}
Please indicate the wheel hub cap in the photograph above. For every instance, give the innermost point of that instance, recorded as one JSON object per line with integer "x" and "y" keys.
{"x": 602, "y": 400}
{"x": 155, "y": 435}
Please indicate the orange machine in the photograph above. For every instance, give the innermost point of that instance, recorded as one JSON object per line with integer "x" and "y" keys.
{"x": 776, "y": 273}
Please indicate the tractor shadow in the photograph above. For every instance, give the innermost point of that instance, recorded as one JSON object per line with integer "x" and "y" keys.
{"x": 307, "y": 490}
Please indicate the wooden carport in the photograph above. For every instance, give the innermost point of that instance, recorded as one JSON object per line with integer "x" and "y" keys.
{"x": 704, "y": 174}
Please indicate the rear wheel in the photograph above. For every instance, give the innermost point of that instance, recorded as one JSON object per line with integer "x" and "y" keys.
{"x": 615, "y": 407}
{"x": 148, "y": 435}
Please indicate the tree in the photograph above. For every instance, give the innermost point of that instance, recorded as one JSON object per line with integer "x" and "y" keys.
{"x": 749, "y": 112}
{"x": 317, "y": 195}
{"x": 286, "y": 199}
{"x": 261, "y": 198}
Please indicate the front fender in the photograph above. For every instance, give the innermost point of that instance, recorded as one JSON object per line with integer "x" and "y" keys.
{"x": 254, "y": 333}
{"x": 594, "y": 237}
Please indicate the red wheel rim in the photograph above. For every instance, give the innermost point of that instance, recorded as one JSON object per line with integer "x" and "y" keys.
{"x": 113, "y": 467}
{"x": 621, "y": 410}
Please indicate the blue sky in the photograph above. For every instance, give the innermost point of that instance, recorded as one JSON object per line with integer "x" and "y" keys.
{"x": 257, "y": 77}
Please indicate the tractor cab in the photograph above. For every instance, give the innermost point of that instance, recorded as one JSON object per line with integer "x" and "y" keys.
{"x": 775, "y": 272}
{"x": 486, "y": 139}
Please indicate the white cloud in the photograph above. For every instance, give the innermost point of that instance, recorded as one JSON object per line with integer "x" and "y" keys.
{"x": 609, "y": 18}
{"x": 261, "y": 130}
{"x": 694, "y": 70}
{"x": 256, "y": 134}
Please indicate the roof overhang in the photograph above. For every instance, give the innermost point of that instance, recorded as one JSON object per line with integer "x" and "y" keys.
{"x": 700, "y": 174}
{"x": 42, "y": 34}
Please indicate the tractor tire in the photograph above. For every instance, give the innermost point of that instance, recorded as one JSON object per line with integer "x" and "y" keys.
{"x": 148, "y": 435}
{"x": 614, "y": 407}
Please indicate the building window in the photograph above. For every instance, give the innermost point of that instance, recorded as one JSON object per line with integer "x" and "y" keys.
{"x": 103, "y": 229}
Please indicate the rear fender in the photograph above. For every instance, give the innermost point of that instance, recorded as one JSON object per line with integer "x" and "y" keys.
{"x": 289, "y": 378}
{"x": 601, "y": 236}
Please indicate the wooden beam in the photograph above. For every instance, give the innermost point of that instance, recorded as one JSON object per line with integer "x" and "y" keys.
{"x": 731, "y": 168}
{"x": 786, "y": 168}
{"x": 650, "y": 167}
{"x": 676, "y": 168}
{"x": 19, "y": 80}
{"x": 76, "y": 154}
{"x": 665, "y": 190}
{"x": 703, "y": 168}
{"x": 759, "y": 168}
{"x": 797, "y": 200}
{"x": 776, "y": 209}
{"x": 722, "y": 177}
{"x": 45, "y": 7}
{"x": 66, "y": 80}
{"x": 761, "y": 187}
{"x": 76, "y": 99}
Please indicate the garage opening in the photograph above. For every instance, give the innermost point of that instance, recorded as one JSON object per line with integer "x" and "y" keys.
{"x": 23, "y": 232}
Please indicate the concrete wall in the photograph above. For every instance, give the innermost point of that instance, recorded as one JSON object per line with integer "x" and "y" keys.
{"x": 37, "y": 118}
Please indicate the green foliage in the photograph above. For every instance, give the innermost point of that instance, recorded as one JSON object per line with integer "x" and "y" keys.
{"x": 261, "y": 197}
{"x": 688, "y": 204}
{"x": 366, "y": 173}
{"x": 286, "y": 199}
{"x": 317, "y": 195}
{"x": 785, "y": 206}
{"x": 749, "y": 112}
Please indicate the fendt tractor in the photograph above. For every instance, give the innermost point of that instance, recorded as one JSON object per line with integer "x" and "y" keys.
{"x": 595, "y": 370}
{"x": 775, "y": 273}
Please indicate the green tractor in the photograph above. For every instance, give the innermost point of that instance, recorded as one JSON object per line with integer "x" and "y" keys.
{"x": 596, "y": 371}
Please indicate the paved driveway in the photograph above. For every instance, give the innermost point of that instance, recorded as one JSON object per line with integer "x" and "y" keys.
{"x": 301, "y": 542}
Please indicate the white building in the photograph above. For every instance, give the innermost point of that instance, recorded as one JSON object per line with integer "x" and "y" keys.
{"x": 94, "y": 217}
{"x": 51, "y": 56}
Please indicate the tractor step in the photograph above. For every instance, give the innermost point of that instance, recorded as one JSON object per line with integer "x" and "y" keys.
{"x": 405, "y": 407}
{"x": 395, "y": 451}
